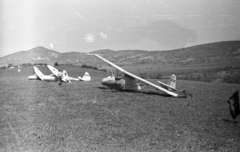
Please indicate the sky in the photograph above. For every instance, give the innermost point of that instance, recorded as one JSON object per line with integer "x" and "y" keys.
{"x": 88, "y": 25}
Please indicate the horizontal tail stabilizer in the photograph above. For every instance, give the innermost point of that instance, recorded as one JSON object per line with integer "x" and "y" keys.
{"x": 74, "y": 79}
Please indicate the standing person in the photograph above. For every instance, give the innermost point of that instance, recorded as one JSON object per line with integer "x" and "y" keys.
{"x": 60, "y": 75}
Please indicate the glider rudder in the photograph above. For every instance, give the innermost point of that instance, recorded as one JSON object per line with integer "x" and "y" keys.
{"x": 86, "y": 77}
{"x": 172, "y": 81}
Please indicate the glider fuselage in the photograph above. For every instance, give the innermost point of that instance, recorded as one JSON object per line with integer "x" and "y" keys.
{"x": 113, "y": 84}
{"x": 119, "y": 84}
{"x": 48, "y": 78}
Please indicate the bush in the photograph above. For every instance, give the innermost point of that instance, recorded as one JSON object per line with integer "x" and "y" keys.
{"x": 39, "y": 64}
{"x": 232, "y": 78}
{"x": 143, "y": 75}
{"x": 3, "y": 67}
{"x": 9, "y": 65}
{"x": 158, "y": 76}
{"x": 27, "y": 64}
{"x": 89, "y": 67}
{"x": 56, "y": 64}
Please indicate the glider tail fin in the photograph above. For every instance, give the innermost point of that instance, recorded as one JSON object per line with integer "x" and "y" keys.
{"x": 172, "y": 81}
{"x": 86, "y": 77}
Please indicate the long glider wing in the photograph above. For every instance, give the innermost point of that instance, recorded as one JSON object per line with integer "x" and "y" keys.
{"x": 38, "y": 73}
{"x": 55, "y": 72}
{"x": 138, "y": 78}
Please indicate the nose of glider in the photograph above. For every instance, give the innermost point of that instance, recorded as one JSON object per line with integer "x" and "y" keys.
{"x": 32, "y": 77}
{"x": 108, "y": 81}
{"x": 104, "y": 80}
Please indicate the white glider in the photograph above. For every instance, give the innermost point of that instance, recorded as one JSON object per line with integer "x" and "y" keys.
{"x": 130, "y": 82}
{"x": 40, "y": 76}
{"x": 66, "y": 78}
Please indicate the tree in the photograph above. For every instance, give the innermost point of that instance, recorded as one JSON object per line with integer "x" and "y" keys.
{"x": 56, "y": 64}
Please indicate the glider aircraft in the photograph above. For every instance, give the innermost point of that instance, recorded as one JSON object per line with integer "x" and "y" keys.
{"x": 40, "y": 76}
{"x": 130, "y": 82}
{"x": 54, "y": 77}
{"x": 66, "y": 78}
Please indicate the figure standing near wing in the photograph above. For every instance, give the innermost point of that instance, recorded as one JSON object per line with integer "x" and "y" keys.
{"x": 60, "y": 76}
{"x": 63, "y": 75}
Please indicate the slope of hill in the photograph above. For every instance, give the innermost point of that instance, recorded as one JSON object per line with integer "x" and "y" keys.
{"x": 212, "y": 53}
{"x": 41, "y": 55}
{"x": 206, "y": 53}
{"x": 38, "y": 54}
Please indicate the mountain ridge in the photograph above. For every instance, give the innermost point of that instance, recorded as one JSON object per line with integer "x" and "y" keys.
{"x": 216, "y": 52}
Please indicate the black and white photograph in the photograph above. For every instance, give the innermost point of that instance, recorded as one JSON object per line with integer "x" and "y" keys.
{"x": 119, "y": 76}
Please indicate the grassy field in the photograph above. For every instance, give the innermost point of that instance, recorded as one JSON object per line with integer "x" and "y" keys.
{"x": 85, "y": 116}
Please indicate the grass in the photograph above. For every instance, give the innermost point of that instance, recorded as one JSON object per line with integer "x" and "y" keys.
{"x": 84, "y": 116}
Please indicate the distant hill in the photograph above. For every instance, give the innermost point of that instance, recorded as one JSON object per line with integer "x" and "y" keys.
{"x": 38, "y": 54}
{"x": 206, "y": 53}
{"x": 42, "y": 55}
{"x": 217, "y": 52}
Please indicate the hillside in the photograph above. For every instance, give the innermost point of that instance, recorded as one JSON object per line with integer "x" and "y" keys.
{"x": 212, "y": 53}
{"x": 42, "y": 55}
{"x": 38, "y": 54}
{"x": 206, "y": 53}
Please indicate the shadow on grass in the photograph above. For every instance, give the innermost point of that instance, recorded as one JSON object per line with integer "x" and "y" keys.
{"x": 103, "y": 88}
{"x": 231, "y": 121}
{"x": 156, "y": 93}
{"x": 132, "y": 91}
